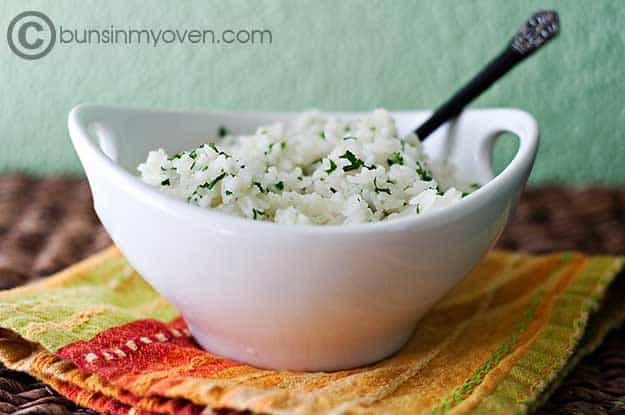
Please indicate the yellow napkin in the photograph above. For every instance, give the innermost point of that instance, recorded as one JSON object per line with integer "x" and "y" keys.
{"x": 104, "y": 338}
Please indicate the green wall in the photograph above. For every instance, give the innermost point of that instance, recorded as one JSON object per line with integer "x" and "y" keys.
{"x": 345, "y": 55}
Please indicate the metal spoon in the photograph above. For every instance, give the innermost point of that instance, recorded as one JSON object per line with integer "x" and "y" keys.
{"x": 538, "y": 30}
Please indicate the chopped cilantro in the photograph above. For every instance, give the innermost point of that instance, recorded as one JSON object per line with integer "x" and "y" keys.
{"x": 378, "y": 189}
{"x": 176, "y": 156}
{"x": 260, "y": 187}
{"x": 278, "y": 187}
{"x": 465, "y": 194}
{"x": 270, "y": 147}
{"x": 396, "y": 158}
{"x": 474, "y": 185}
{"x": 332, "y": 166}
{"x": 193, "y": 154}
{"x": 213, "y": 146}
{"x": 216, "y": 180}
{"x": 165, "y": 182}
{"x": 212, "y": 183}
{"x": 418, "y": 208}
{"x": 222, "y": 131}
{"x": 322, "y": 135}
{"x": 349, "y": 137}
{"x": 228, "y": 192}
{"x": 356, "y": 163}
{"x": 257, "y": 212}
{"x": 423, "y": 173}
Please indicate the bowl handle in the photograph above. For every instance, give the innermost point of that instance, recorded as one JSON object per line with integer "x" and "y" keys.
{"x": 480, "y": 130}
{"x": 80, "y": 121}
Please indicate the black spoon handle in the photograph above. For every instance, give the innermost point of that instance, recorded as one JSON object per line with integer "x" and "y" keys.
{"x": 538, "y": 30}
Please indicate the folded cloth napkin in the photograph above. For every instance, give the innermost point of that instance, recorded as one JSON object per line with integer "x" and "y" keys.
{"x": 101, "y": 336}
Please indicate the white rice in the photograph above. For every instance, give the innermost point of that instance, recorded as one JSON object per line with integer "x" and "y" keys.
{"x": 313, "y": 170}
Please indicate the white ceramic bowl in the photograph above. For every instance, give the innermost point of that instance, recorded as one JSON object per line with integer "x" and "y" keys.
{"x": 296, "y": 297}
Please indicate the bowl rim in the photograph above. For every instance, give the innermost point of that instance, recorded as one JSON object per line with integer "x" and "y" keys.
{"x": 80, "y": 117}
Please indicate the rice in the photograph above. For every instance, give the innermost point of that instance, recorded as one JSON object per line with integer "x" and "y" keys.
{"x": 314, "y": 169}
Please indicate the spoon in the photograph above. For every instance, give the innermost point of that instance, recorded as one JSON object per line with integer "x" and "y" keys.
{"x": 538, "y": 30}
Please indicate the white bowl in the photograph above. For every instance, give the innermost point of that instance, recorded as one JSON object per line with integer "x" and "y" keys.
{"x": 296, "y": 297}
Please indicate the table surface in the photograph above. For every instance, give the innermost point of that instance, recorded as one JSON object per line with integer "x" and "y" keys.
{"x": 47, "y": 224}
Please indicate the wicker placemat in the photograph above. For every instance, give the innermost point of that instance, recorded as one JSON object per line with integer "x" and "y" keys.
{"x": 48, "y": 224}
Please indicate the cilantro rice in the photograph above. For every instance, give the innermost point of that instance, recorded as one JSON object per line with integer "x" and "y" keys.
{"x": 314, "y": 169}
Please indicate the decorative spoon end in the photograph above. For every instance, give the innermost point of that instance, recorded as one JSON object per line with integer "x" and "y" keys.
{"x": 538, "y": 30}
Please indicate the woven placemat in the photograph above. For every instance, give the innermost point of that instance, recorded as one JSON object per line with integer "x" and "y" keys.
{"x": 48, "y": 224}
